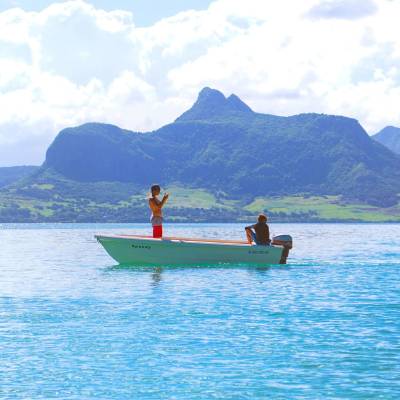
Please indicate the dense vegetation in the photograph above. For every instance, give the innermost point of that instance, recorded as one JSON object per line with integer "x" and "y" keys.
{"x": 53, "y": 198}
{"x": 223, "y": 161}
{"x": 389, "y": 137}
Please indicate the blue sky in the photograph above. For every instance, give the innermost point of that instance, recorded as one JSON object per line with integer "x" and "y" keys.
{"x": 140, "y": 64}
{"x": 146, "y": 12}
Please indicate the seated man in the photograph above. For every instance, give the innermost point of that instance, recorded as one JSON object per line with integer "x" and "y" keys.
{"x": 260, "y": 235}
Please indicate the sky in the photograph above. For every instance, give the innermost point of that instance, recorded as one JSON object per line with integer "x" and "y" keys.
{"x": 140, "y": 64}
{"x": 145, "y": 12}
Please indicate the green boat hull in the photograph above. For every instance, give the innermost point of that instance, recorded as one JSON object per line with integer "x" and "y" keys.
{"x": 141, "y": 250}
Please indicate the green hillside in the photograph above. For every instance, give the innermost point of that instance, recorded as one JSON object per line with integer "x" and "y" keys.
{"x": 57, "y": 199}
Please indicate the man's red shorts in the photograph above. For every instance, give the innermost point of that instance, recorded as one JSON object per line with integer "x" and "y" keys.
{"x": 157, "y": 231}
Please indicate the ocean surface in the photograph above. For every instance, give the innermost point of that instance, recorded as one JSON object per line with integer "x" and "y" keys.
{"x": 74, "y": 325}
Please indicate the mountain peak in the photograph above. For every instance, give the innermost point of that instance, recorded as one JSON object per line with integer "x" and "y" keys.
{"x": 393, "y": 130}
{"x": 210, "y": 95}
{"x": 211, "y": 104}
{"x": 389, "y": 137}
{"x": 236, "y": 103}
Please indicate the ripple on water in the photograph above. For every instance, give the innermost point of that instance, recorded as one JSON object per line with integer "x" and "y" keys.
{"x": 73, "y": 325}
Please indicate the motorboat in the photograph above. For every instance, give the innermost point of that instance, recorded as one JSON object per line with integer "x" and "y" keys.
{"x": 146, "y": 250}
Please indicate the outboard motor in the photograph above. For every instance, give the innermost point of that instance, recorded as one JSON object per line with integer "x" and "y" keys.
{"x": 287, "y": 242}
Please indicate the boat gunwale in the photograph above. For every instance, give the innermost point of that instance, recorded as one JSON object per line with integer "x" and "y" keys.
{"x": 173, "y": 239}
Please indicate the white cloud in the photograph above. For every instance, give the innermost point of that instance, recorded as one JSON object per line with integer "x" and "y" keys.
{"x": 343, "y": 9}
{"x": 72, "y": 63}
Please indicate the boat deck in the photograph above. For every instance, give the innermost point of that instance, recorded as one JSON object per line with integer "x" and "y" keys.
{"x": 185, "y": 240}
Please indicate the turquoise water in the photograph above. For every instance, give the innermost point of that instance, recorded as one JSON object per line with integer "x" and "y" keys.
{"x": 73, "y": 325}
